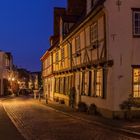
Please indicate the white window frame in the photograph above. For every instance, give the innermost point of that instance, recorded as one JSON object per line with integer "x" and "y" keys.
{"x": 136, "y": 29}
{"x": 93, "y": 33}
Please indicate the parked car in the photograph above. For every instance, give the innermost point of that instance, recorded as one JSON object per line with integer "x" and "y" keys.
{"x": 25, "y": 91}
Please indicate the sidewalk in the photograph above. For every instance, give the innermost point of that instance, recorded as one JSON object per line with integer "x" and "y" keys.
{"x": 129, "y": 127}
{"x": 7, "y": 129}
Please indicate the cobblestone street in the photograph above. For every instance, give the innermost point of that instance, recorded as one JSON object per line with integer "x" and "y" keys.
{"x": 39, "y": 122}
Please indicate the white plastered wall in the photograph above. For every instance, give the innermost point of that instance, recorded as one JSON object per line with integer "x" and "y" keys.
{"x": 122, "y": 48}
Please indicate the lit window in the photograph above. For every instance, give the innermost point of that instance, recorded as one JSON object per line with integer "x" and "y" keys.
{"x": 93, "y": 33}
{"x": 136, "y": 82}
{"x": 99, "y": 82}
{"x": 62, "y": 85}
{"x": 57, "y": 85}
{"x": 57, "y": 57}
{"x": 136, "y": 22}
{"x": 66, "y": 85}
{"x": 62, "y": 54}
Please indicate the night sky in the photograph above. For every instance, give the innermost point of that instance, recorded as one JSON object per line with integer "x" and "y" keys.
{"x": 25, "y": 28}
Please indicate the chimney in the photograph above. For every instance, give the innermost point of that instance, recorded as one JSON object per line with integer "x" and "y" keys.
{"x": 76, "y": 7}
{"x": 57, "y": 13}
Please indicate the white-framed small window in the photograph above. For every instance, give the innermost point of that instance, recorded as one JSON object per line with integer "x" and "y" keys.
{"x": 93, "y": 33}
{"x": 136, "y": 23}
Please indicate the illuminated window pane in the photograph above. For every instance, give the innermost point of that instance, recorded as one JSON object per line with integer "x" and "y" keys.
{"x": 62, "y": 85}
{"x": 99, "y": 82}
{"x": 66, "y": 85}
{"x": 57, "y": 85}
{"x": 57, "y": 59}
{"x": 62, "y": 54}
{"x": 136, "y": 82}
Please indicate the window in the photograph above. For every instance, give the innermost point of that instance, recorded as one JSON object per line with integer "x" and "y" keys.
{"x": 136, "y": 82}
{"x": 62, "y": 85}
{"x": 66, "y": 85}
{"x": 136, "y": 22}
{"x": 83, "y": 84}
{"x": 77, "y": 43}
{"x": 57, "y": 57}
{"x": 62, "y": 54}
{"x": 90, "y": 79}
{"x": 95, "y": 83}
{"x": 99, "y": 83}
{"x": 93, "y": 33}
{"x": 57, "y": 85}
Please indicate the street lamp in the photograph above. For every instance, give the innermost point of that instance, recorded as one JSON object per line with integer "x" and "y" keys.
{"x": 13, "y": 79}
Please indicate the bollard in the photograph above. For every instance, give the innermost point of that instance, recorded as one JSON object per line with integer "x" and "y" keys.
{"x": 46, "y": 99}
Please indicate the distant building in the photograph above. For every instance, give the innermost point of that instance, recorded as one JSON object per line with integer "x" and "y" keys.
{"x": 35, "y": 80}
{"x": 6, "y": 65}
{"x": 95, "y": 48}
{"x": 47, "y": 75}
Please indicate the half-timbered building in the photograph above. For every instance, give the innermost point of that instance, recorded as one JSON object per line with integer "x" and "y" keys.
{"x": 97, "y": 53}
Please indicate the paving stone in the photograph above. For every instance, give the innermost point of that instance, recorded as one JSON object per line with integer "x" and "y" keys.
{"x": 7, "y": 130}
{"x": 38, "y": 122}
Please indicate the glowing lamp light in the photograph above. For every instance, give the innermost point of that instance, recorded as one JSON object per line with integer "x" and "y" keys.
{"x": 9, "y": 78}
{"x": 13, "y": 79}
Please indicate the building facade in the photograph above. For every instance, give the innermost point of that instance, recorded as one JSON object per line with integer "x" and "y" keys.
{"x": 6, "y": 65}
{"x": 47, "y": 75}
{"x": 97, "y": 53}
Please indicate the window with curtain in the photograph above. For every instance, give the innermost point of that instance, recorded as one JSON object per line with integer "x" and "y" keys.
{"x": 99, "y": 83}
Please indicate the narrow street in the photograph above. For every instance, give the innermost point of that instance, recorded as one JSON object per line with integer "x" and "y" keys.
{"x": 39, "y": 122}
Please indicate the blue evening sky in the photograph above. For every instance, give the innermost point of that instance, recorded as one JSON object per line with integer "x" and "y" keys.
{"x": 25, "y": 28}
